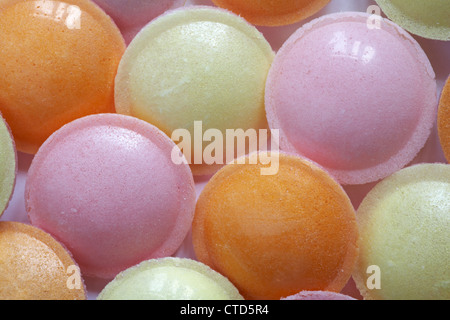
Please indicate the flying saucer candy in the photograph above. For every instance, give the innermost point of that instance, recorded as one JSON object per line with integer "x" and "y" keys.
{"x": 196, "y": 65}
{"x": 106, "y": 187}
{"x": 58, "y": 63}
{"x": 34, "y": 266}
{"x": 170, "y": 279}
{"x": 404, "y": 225}
{"x": 360, "y": 102}
{"x": 425, "y": 18}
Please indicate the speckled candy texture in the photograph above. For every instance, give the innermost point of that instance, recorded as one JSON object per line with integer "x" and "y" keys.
{"x": 360, "y": 102}
{"x": 34, "y": 266}
{"x": 8, "y": 165}
{"x": 132, "y": 15}
{"x": 273, "y": 13}
{"x": 404, "y": 225}
{"x": 275, "y": 235}
{"x": 170, "y": 279}
{"x": 196, "y": 63}
{"x": 58, "y": 63}
{"x": 425, "y": 18}
{"x": 106, "y": 187}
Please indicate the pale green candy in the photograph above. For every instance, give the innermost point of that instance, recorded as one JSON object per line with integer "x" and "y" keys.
{"x": 198, "y": 63}
{"x": 425, "y": 18}
{"x": 170, "y": 279}
{"x": 405, "y": 231}
{"x": 8, "y": 165}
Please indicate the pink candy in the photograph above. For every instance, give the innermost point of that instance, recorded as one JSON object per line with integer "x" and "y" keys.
{"x": 319, "y": 295}
{"x": 360, "y": 102}
{"x": 106, "y": 187}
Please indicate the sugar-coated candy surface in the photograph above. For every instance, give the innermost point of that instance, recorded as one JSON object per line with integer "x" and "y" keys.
{"x": 319, "y": 296}
{"x": 8, "y": 165}
{"x": 355, "y": 101}
{"x": 132, "y": 15}
{"x": 405, "y": 232}
{"x": 106, "y": 187}
{"x": 275, "y": 235}
{"x": 170, "y": 279}
{"x": 273, "y": 13}
{"x": 34, "y": 266}
{"x": 59, "y": 60}
{"x": 444, "y": 120}
{"x": 360, "y": 102}
{"x": 196, "y": 63}
{"x": 429, "y": 19}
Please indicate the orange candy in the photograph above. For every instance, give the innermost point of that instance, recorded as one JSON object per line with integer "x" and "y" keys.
{"x": 34, "y": 266}
{"x": 58, "y": 62}
{"x": 273, "y": 13}
{"x": 276, "y": 235}
{"x": 444, "y": 120}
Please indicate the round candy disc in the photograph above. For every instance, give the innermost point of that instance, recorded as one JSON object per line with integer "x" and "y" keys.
{"x": 58, "y": 62}
{"x": 405, "y": 236}
{"x": 106, "y": 187}
{"x": 132, "y": 15}
{"x": 8, "y": 165}
{"x": 196, "y": 65}
{"x": 170, "y": 279}
{"x": 318, "y": 296}
{"x": 444, "y": 120}
{"x": 429, "y": 19}
{"x": 275, "y": 235}
{"x": 273, "y": 13}
{"x": 359, "y": 101}
{"x": 34, "y": 266}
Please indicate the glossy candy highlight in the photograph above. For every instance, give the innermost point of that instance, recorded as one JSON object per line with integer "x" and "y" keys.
{"x": 58, "y": 63}
{"x": 196, "y": 64}
{"x": 360, "y": 102}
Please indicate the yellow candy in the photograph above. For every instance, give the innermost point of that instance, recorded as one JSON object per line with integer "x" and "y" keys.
{"x": 8, "y": 165}
{"x": 426, "y": 18}
{"x": 196, "y": 64}
{"x": 405, "y": 236}
{"x": 170, "y": 279}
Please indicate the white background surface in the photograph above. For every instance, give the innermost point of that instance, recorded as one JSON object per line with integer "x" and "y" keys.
{"x": 437, "y": 51}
